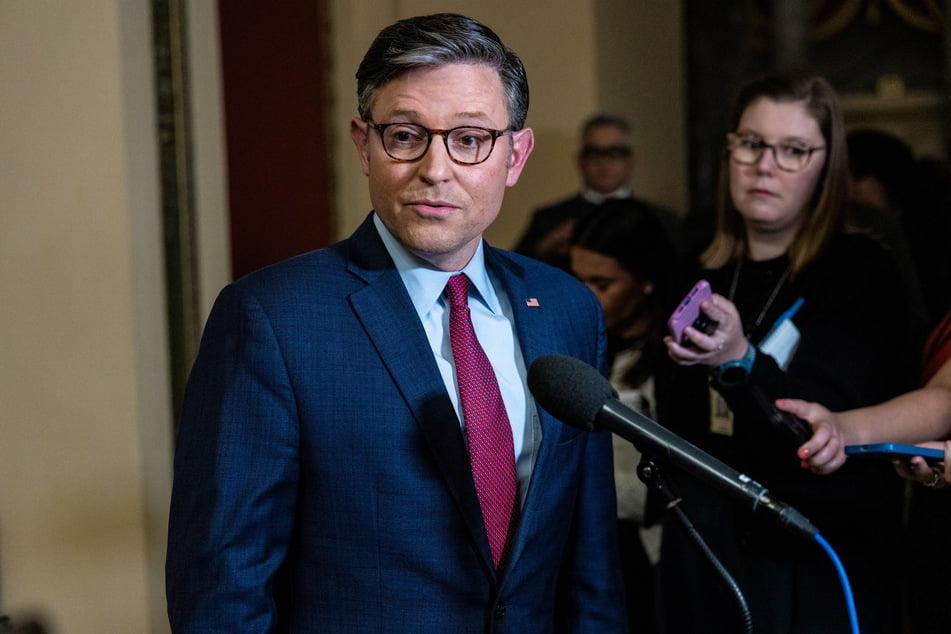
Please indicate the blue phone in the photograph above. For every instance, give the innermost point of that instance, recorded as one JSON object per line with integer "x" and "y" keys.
{"x": 894, "y": 450}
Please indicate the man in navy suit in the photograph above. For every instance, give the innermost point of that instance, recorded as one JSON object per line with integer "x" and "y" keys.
{"x": 322, "y": 479}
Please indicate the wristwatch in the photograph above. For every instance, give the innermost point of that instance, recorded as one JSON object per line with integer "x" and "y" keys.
{"x": 732, "y": 372}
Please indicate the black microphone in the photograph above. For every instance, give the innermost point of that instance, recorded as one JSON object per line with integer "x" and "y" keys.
{"x": 577, "y": 394}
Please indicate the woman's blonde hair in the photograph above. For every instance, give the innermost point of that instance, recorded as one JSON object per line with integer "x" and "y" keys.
{"x": 825, "y": 213}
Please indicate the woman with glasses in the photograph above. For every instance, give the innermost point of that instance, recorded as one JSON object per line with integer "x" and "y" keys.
{"x": 806, "y": 309}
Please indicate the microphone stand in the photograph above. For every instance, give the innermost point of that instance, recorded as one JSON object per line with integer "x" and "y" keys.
{"x": 651, "y": 475}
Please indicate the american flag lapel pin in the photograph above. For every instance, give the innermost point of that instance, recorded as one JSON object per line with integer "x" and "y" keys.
{"x": 532, "y": 302}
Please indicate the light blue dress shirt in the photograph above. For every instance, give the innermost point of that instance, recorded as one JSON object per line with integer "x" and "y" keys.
{"x": 493, "y": 322}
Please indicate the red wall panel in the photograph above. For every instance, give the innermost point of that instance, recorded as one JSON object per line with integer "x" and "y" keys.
{"x": 275, "y": 74}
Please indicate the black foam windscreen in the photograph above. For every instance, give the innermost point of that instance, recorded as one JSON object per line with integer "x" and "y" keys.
{"x": 569, "y": 388}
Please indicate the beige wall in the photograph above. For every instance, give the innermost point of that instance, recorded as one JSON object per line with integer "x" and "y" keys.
{"x": 640, "y": 67}
{"x": 84, "y": 395}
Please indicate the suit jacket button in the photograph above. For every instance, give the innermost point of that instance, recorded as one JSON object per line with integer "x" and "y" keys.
{"x": 499, "y": 611}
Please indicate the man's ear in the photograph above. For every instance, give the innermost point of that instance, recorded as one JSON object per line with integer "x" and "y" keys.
{"x": 359, "y": 133}
{"x": 523, "y": 141}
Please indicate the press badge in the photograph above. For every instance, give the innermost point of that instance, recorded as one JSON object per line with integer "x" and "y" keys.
{"x": 783, "y": 338}
{"x": 721, "y": 416}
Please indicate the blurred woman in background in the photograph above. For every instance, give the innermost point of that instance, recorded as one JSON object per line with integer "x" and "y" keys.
{"x": 623, "y": 253}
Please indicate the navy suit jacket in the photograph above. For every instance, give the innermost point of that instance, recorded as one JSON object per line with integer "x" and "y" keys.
{"x": 321, "y": 477}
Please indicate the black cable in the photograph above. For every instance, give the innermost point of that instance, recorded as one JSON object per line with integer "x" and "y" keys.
{"x": 650, "y": 474}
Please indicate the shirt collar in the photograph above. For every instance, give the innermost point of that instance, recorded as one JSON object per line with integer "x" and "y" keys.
{"x": 426, "y": 284}
{"x": 595, "y": 198}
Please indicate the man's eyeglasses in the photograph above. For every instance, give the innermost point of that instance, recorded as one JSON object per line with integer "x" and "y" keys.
{"x": 747, "y": 149}
{"x": 613, "y": 152}
{"x": 408, "y": 142}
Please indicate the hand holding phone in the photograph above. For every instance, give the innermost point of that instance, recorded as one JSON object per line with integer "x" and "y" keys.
{"x": 795, "y": 429}
{"x": 688, "y": 313}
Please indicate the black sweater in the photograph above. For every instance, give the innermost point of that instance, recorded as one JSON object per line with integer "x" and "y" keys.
{"x": 856, "y": 349}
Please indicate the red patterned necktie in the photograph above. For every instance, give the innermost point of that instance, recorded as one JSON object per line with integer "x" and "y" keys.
{"x": 488, "y": 433}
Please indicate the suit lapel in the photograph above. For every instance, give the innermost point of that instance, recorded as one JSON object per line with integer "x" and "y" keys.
{"x": 532, "y": 310}
{"x": 384, "y": 308}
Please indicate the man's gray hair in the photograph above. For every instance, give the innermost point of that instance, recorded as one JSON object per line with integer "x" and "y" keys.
{"x": 432, "y": 41}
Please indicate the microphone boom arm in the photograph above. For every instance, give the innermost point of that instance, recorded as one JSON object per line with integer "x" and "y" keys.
{"x": 654, "y": 439}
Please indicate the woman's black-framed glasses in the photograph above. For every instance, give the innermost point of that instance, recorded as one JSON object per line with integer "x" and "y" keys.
{"x": 408, "y": 142}
{"x": 747, "y": 149}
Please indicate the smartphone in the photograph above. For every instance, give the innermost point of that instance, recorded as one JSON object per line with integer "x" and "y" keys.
{"x": 893, "y": 450}
{"x": 688, "y": 313}
{"x": 794, "y": 428}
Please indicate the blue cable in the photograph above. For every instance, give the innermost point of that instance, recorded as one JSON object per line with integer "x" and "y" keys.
{"x": 846, "y": 588}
